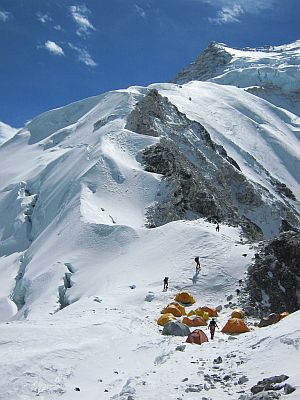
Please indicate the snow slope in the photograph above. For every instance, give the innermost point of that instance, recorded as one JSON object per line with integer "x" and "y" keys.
{"x": 255, "y": 133}
{"x": 78, "y": 267}
{"x": 6, "y": 132}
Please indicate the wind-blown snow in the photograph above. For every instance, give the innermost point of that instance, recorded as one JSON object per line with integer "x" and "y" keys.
{"x": 78, "y": 267}
{"x": 6, "y": 132}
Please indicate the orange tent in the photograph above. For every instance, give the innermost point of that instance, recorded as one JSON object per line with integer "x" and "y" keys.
{"x": 212, "y": 312}
{"x": 235, "y": 325}
{"x": 185, "y": 298}
{"x": 179, "y": 306}
{"x": 237, "y": 313}
{"x": 197, "y": 337}
{"x": 164, "y": 318}
{"x": 172, "y": 309}
{"x": 284, "y": 314}
{"x": 195, "y": 321}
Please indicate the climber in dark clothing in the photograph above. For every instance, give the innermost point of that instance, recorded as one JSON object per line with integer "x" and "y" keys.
{"x": 197, "y": 264}
{"x": 166, "y": 283}
{"x": 218, "y": 227}
{"x": 212, "y": 327}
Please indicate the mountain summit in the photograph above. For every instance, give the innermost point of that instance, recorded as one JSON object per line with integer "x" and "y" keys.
{"x": 270, "y": 72}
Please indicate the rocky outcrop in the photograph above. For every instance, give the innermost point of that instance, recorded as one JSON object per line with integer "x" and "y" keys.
{"x": 199, "y": 178}
{"x": 273, "y": 282}
{"x": 206, "y": 65}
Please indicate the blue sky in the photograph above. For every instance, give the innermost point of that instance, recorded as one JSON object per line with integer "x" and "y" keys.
{"x": 54, "y": 52}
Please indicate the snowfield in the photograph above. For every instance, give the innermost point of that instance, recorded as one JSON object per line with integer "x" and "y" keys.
{"x": 82, "y": 277}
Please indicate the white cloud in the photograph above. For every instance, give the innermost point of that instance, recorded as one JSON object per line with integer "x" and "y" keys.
{"x": 54, "y": 48}
{"x": 43, "y": 18}
{"x": 83, "y": 56}
{"x": 228, "y": 15}
{"x": 140, "y": 11}
{"x": 80, "y": 16}
{"x": 58, "y": 28}
{"x": 4, "y": 15}
{"x": 229, "y": 11}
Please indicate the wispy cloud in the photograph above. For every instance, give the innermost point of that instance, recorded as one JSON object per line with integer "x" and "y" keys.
{"x": 80, "y": 16}
{"x": 83, "y": 55}
{"x": 140, "y": 11}
{"x": 58, "y": 28}
{"x": 43, "y": 18}
{"x": 54, "y": 48}
{"x": 4, "y": 15}
{"x": 230, "y": 11}
{"x": 228, "y": 15}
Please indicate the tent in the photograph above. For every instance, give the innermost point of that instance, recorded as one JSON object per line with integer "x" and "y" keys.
{"x": 179, "y": 306}
{"x": 197, "y": 337}
{"x": 176, "y": 329}
{"x": 237, "y": 313}
{"x": 202, "y": 313}
{"x": 172, "y": 309}
{"x": 284, "y": 314}
{"x": 194, "y": 321}
{"x": 212, "y": 311}
{"x": 235, "y": 325}
{"x": 185, "y": 298}
{"x": 165, "y": 318}
{"x": 272, "y": 318}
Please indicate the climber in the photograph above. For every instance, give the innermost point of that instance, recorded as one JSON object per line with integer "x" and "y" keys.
{"x": 218, "y": 227}
{"x": 212, "y": 327}
{"x": 166, "y": 283}
{"x": 197, "y": 264}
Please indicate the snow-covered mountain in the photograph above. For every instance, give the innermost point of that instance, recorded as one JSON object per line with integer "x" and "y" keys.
{"x": 6, "y": 132}
{"x": 104, "y": 197}
{"x": 272, "y": 73}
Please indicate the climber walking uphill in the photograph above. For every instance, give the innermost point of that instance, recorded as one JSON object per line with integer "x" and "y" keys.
{"x": 166, "y": 283}
{"x": 197, "y": 261}
{"x": 212, "y": 327}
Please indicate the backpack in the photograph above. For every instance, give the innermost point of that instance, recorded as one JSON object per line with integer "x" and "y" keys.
{"x": 196, "y": 259}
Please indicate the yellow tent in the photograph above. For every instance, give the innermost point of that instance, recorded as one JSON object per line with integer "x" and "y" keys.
{"x": 212, "y": 311}
{"x": 185, "y": 298}
{"x": 179, "y": 306}
{"x": 171, "y": 308}
{"x": 235, "y": 325}
{"x": 202, "y": 313}
{"x": 164, "y": 318}
{"x": 237, "y": 313}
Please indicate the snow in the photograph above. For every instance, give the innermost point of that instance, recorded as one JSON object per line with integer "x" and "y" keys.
{"x": 86, "y": 274}
{"x": 6, "y": 132}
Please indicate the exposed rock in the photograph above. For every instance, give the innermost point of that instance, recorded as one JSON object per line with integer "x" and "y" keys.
{"x": 269, "y": 384}
{"x": 218, "y": 360}
{"x": 273, "y": 280}
{"x": 206, "y": 65}
{"x": 200, "y": 179}
{"x": 288, "y": 388}
{"x": 194, "y": 388}
{"x": 243, "y": 379}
